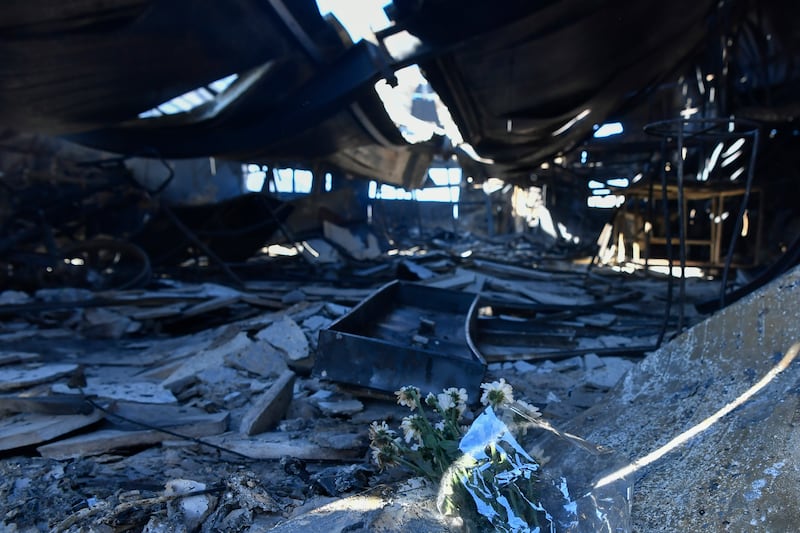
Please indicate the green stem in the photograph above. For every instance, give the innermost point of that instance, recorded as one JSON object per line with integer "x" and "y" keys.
{"x": 415, "y": 467}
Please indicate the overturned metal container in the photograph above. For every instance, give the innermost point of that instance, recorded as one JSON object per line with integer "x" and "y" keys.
{"x": 405, "y": 334}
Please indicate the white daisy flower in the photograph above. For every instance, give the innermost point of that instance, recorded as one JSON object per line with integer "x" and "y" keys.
{"x": 408, "y": 396}
{"x": 411, "y": 428}
{"x": 455, "y": 399}
{"x": 445, "y": 401}
{"x": 431, "y": 401}
{"x": 497, "y": 393}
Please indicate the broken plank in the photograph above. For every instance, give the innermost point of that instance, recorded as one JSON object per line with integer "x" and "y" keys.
{"x": 530, "y": 273}
{"x": 555, "y": 355}
{"x": 211, "y": 305}
{"x": 599, "y": 320}
{"x": 278, "y": 444}
{"x": 52, "y": 405}
{"x": 461, "y": 278}
{"x": 287, "y": 337}
{"x": 106, "y": 440}
{"x": 538, "y": 295}
{"x": 269, "y": 408}
{"x": 132, "y": 391}
{"x": 10, "y": 358}
{"x": 262, "y": 301}
{"x": 213, "y": 356}
{"x": 420, "y": 271}
{"x": 17, "y": 378}
{"x": 153, "y": 313}
{"x": 27, "y": 429}
{"x": 337, "y": 293}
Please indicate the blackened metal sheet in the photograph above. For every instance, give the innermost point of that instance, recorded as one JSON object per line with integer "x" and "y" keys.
{"x": 404, "y": 334}
{"x": 88, "y": 69}
{"x": 78, "y": 65}
{"x": 525, "y": 80}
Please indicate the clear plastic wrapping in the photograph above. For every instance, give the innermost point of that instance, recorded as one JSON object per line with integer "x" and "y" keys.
{"x": 497, "y": 485}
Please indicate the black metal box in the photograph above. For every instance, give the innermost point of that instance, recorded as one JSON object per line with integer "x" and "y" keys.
{"x": 405, "y": 334}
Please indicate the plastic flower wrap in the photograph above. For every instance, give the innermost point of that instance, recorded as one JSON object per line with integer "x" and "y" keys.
{"x": 488, "y": 480}
{"x": 498, "y": 476}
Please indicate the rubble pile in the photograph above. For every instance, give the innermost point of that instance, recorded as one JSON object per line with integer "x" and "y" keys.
{"x": 197, "y": 406}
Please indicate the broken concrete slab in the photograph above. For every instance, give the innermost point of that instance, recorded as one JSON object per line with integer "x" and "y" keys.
{"x": 524, "y": 366}
{"x": 14, "y": 297}
{"x": 132, "y": 391}
{"x": 293, "y": 297}
{"x": 565, "y": 365}
{"x": 609, "y": 374}
{"x": 346, "y": 407}
{"x": 28, "y": 429}
{"x": 592, "y": 361}
{"x": 11, "y": 358}
{"x": 208, "y": 306}
{"x": 735, "y": 474}
{"x": 20, "y": 377}
{"x": 103, "y": 323}
{"x": 419, "y": 271}
{"x": 51, "y": 404}
{"x": 288, "y": 337}
{"x": 316, "y": 323}
{"x": 259, "y": 358}
{"x": 336, "y": 310}
{"x": 212, "y": 357}
{"x": 269, "y": 408}
{"x": 106, "y": 440}
{"x": 323, "y": 445}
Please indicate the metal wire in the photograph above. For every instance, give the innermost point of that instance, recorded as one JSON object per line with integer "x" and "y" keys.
{"x": 739, "y": 219}
{"x": 668, "y": 240}
{"x": 145, "y": 425}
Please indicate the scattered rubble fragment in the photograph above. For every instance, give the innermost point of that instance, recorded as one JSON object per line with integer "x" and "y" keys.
{"x": 199, "y": 406}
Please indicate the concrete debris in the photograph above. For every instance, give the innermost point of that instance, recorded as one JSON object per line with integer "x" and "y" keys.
{"x": 190, "y": 386}
{"x": 14, "y": 297}
{"x": 341, "y": 407}
{"x": 106, "y": 324}
{"x": 9, "y": 358}
{"x": 27, "y": 429}
{"x": 258, "y": 358}
{"x": 21, "y": 377}
{"x": 592, "y": 361}
{"x": 191, "y": 510}
{"x": 608, "y": 375}
{"x": 132, "y": 391}
{"x": 293, "y": 297}
{"x": 107, "y": 440}
{"x": 734, "y": 473}
{"x": 267, "y": 410}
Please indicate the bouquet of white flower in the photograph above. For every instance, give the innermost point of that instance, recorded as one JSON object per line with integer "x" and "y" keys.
{"x": 491, "y": 469}
{"x": 488, "y": 481}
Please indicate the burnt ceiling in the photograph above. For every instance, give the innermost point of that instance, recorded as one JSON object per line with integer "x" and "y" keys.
{"x": 526, "y": 82}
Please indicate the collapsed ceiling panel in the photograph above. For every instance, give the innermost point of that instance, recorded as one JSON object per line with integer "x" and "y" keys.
{"x": 525, "y": 81}
{"x": 301, "y": 94}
